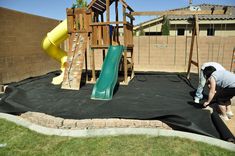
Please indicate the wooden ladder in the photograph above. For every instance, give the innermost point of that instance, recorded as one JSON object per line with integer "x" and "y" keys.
{"x": 75, "y": 61}
{"x": 195, "y": 34}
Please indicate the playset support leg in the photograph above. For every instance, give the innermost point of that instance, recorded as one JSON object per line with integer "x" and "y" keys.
{"x": 93, "y": 65}
{"x": 232, "y": 67}
{"x": 132, "y": 65}
{"x": 125, "y": 67}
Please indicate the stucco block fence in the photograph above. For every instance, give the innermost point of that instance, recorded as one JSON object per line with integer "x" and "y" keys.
{"x": 171, "y": 54}
{"x": 21, "y": 55}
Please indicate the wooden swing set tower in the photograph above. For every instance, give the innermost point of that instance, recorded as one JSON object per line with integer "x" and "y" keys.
{"x": 195, "y": 31}
{"x": 89, "y": 31}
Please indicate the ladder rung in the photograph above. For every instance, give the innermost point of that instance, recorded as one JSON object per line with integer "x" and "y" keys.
{"x": 194, "y": 63}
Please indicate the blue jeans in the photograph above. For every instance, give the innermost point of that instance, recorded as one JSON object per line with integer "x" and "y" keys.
{"x": 201, "y": 84}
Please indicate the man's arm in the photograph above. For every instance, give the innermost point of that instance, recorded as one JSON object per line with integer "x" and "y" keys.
{"x": 212, "y": 91}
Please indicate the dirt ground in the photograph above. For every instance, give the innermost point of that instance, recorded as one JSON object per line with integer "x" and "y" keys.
{"x": 231, "y": 123}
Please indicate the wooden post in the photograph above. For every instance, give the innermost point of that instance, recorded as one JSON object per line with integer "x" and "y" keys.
{"x": 92, "y": 57}
{"x": 179, "y": 12}
{"x": 124, "y": 13}
{"x": 93, "y": 65}
{"x": 86, "y": 69}
{"x": 125, "y": 44}
{"x": 132, "y": 64}
{"x": 232, "y": 67}
{"x": 102, "y": 36}
{"x": 107, "y": 10}
{"x": 117, "y": 29}
{"x": 108, "y": 19}
{"x": 197, "y": 46}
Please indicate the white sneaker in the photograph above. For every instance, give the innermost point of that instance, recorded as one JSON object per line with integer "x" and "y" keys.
{"x": 196, "y": 100}
{"x": 230, "y": 114}
{"x": 224, "y": 118}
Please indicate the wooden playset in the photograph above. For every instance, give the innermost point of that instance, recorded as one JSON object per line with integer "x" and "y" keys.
{"x": 88, "y": 31}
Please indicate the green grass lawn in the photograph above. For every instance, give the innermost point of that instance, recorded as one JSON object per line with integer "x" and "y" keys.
{"x": 21, "y": 141}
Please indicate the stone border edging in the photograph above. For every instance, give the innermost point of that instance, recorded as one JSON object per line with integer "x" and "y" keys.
{"x": 50, "y": 121}
{"x": 117, "y": 131}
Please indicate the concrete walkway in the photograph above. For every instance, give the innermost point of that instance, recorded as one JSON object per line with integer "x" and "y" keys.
{"x": 116, "y": 131}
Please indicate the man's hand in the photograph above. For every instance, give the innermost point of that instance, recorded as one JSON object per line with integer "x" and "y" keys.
{"x": 209, "y": 86}
{"x": 206, "y": 104}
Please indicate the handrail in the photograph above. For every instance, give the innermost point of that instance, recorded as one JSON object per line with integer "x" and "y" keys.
{"x": 106, "y": 23}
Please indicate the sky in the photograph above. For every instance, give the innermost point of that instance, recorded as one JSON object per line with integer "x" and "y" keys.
{"x": 56, "y": 8}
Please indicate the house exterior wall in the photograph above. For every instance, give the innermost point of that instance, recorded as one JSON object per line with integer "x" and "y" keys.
{"x": 21, "y": 55}
{"x": 146, "y": 29}
{"x": 222, "y": 27}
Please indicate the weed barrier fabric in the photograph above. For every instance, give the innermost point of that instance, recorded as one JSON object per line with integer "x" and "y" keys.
{"x": 219, "y": 124}
{"x": 150, "y": 96}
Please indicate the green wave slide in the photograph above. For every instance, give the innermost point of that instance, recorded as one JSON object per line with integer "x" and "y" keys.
{"x": 104, "y": 87}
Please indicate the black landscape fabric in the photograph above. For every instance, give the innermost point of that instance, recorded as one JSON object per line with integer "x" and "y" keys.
{"x": 160, "y": 96}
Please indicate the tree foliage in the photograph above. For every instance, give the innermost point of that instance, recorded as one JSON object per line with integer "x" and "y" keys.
{"x": 165, "y": 26}
{"x": 79, "y": 4}
{"x": 141, "y": 31}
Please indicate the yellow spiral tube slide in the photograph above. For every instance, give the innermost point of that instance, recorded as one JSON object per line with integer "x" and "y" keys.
{"x": 51, "y": 43}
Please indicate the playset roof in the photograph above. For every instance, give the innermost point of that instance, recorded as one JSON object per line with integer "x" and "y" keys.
{"x": 100, "y": 5}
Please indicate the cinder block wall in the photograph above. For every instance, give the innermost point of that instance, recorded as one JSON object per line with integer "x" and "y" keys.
{"x": 167, "y": 53}
{"x": 21, "y": 55}
{"x": 171, "y": 54}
